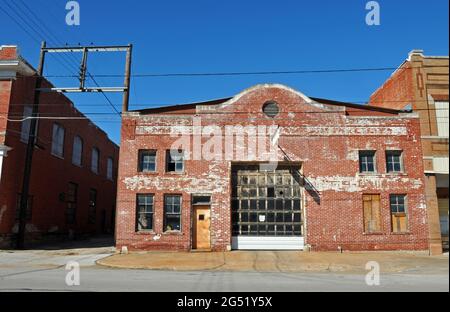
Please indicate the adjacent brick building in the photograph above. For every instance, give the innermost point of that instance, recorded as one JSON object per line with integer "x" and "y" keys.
{"x": 74, "y": 170}
{"x": 421, "y": 83}
{"x": 348, "y": 177}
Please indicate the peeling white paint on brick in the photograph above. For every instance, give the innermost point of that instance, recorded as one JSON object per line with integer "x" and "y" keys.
{"x": 362, "y": 183}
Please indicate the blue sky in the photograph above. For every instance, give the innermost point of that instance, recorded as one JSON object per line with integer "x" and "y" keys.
{"x": 223, "y": 36}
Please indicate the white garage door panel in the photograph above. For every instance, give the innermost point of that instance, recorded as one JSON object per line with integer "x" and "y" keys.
{"x": 268, "y": 243}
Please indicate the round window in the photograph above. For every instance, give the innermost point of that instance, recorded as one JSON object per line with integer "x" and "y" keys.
{"x": 271, "y": 109}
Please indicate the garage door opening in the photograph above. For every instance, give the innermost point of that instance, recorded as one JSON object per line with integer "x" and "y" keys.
{"x": 267, "y": 210}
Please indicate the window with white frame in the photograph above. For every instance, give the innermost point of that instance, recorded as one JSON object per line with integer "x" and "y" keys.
{"x": 58, "y": 140}
{"x": 77, "y": 153}
{"x": 109, "y": 169}
{"x": 95, "y": 160}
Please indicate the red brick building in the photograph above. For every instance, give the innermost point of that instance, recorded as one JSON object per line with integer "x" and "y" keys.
{"x": 271, "y": 169}
{"x": 421, "y": 82}
{"x": 73, "y": 182}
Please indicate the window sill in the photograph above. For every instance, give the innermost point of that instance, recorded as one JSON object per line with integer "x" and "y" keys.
{"x": 374, "y": 234}
{"x": 396, "y": 174}
{"x": 400, "y": 234}
{"x": 176, "y": 173}
{"x": 148, "y": 172}
{"x": 57, "y": 156}
{"x": 176, "y": 233}
{"x": 149, "y": 232}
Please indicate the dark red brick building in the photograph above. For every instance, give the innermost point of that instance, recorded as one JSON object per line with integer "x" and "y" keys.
{"x": 271, "y": 169}
{"x": 74, "y": 171}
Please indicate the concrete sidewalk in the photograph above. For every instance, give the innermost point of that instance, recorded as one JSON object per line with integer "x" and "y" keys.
{"x": 287, "y": 262}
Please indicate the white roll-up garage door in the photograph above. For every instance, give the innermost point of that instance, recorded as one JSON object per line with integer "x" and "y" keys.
{"x": 268, "y": 243}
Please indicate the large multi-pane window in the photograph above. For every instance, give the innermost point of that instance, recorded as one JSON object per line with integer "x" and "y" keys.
{"x": 394, "y": 162}
{"x": 58, "y": 140}
{"x": 110, "y": 169}
{"x": 92, "y": 213}
{"x": 367, "y": 162}
{"x": 145, "y": 211}
{"x": 72, "y": 199}
{"x": 175, "y": 161}
{"x": 95, "y": 160}
{"x": 399, "y": 213}
{"x": 147, "y": 161}
{"x": 77, "y": 153}
{"x": 172, "y": 213}
{"x": 266, "y": 203}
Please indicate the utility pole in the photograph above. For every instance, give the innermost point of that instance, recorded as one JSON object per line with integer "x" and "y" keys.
{"x": 20, "y": 244}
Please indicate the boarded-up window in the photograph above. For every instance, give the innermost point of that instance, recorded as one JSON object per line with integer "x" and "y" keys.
{"x": 372, "y": 214}
{"x": 399, "y": 213}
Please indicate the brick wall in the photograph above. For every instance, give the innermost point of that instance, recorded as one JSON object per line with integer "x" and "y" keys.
{"x": 51, "y": 175}
{"x": 324, "y": 138}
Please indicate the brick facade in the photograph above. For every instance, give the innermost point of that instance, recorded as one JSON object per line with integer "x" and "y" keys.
{"x": 324, "y": 137}
{"x": 51, "y": 175}
{"x": 422, "y": 81}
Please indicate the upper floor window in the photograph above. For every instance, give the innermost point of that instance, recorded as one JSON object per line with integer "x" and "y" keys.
{"x": 95, "y": 160}
{"x": 367, "y": 161}
{"x": 442, "y": 118}
{"x": 147, "y": 161}
{"x": 26, "y": 124}
{"x": 109, "y": 168}
{"x": 394, "y": 162}
{"x": 77, "y": 154}
{"x": 175, "y": 161}
{"x": 58, "y": 140}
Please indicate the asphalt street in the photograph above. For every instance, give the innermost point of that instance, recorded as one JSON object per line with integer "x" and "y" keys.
{"x": 40, "y": 272}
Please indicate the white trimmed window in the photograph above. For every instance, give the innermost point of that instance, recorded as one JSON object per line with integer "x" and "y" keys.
{"x": 58, "y": 140}
{"x": 77, "y": 154}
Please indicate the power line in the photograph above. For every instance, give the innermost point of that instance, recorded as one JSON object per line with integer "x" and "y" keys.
{"x": 48, "y": 31}
{"x": 318, "y": 71}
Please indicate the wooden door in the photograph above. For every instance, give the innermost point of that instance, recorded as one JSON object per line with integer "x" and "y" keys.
{"x": 372, "y": 214}
{"x": 202, "y": 228}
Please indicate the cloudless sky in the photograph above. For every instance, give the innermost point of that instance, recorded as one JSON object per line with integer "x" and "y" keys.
{"x": 228, "y": 36}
